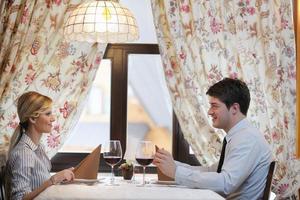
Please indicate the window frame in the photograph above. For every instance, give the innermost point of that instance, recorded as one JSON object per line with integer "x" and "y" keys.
{"x": 118, "y": 54}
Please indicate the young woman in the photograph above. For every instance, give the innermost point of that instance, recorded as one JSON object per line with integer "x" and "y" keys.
{"x": 28, "y": 167}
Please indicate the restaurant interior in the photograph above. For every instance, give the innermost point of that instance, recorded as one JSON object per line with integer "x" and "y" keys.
{"x": 149, "y": 83}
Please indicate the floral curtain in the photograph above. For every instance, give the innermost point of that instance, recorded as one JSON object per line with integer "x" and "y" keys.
{"x": 203, "y": 41}
{"x": 35, "y": 56}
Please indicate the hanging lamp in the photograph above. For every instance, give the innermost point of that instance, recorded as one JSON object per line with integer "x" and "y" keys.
{"x": 103, "y": 21}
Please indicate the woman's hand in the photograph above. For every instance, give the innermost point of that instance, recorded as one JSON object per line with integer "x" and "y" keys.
{"x": 64, "y": 176}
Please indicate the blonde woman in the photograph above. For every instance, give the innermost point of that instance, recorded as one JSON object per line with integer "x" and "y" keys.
{"x": 28, "y": 167}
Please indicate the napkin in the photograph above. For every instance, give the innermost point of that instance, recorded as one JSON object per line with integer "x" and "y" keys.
{"x": 161, "y": 176}
{"x": 88, "y": 167}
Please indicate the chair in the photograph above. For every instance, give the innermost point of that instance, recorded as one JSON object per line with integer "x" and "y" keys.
{"x": 2, "y": 182}
{"x": 269, "y": 181}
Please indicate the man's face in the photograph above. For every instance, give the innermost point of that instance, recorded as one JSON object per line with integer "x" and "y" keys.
{"x": 221, "y": 116}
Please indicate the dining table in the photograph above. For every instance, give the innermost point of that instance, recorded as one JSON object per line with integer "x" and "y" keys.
{"x": 99, "y": 189}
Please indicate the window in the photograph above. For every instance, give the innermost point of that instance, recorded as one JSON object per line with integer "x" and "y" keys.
{"x": 149, "y": 109}
{"x": 119, "y": 55}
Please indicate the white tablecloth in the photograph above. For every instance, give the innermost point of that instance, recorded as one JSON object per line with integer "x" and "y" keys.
{"x": 124, "y": 191}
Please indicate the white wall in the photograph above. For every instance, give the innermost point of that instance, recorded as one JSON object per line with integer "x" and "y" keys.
{"x": 142, "y": 11}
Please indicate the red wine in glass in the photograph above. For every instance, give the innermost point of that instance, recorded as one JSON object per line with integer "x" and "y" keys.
{"x": 144, "y": 155}
{"x": 112, "y": 160}
{"x": 112, "y": 155}
{"x": 144, "y": 161}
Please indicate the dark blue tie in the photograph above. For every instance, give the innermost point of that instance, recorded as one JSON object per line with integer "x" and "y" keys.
{"x": 222, "y": 156}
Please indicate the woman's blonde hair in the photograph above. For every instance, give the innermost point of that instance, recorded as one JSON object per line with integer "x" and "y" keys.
{"x": 30, "y": 104}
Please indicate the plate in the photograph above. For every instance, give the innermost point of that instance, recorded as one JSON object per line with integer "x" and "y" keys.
{"x": 89, "y": 181}
{"x": 166, "y": 182}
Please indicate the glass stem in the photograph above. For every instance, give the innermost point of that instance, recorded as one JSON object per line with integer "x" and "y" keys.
{"x": 144, "y": 175}
{"x": 133, "y": 174}
{"x": 112, "y": 175}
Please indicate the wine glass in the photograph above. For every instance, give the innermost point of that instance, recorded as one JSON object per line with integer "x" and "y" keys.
{"x": 112, "y": 155}
{"x": 135, "y": 170}
{"x": 144, "y": 155}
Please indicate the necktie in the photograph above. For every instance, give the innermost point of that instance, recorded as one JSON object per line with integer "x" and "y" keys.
{"x": 222, "y": 156}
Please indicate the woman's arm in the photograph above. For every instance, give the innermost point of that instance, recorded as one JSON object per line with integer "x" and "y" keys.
{"x": 37, "y": 191}
{"x": 65, "y": 176}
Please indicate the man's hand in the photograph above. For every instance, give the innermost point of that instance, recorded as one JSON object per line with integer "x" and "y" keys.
{"x": 165, "y": 162}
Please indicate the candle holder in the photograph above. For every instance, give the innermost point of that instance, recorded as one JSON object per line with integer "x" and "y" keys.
{"x": 127, "y": 170}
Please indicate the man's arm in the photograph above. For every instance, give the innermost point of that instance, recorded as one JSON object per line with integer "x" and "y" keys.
{"x": 165, "y": 162}
{"x": 240, "y": 161}
{"x": 238, "y": 164}
{"x": 211, "y": 168}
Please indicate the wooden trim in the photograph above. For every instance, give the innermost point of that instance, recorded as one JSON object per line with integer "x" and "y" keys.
{"x": 297, "y": 36}
{"x": 63, "y": 161}
{"x": 180, "y": 146}
{"x": 118, "y": 53}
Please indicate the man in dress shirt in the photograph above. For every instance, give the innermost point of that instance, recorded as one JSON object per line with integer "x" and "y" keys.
{"x": 242, "y": 172}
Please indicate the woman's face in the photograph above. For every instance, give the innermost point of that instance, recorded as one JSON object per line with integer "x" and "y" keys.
{"x": 44, "y": 122}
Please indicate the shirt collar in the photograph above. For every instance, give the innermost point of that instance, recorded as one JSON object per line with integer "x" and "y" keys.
{"x": 27, "y": 140}
{"x": 237, "y": 128}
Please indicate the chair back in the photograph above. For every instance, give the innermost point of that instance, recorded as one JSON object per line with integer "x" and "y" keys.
{"x": 2, "y": 182}
{"x": 269, "y": 181}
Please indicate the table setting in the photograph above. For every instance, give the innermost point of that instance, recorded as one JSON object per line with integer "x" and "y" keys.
{"x": 107, "y": 186}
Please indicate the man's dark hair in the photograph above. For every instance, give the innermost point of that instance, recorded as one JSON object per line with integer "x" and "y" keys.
{"x": 231, "y": 91}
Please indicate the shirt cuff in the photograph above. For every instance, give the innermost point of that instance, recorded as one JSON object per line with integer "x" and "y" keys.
{"x": 182, "y": 174}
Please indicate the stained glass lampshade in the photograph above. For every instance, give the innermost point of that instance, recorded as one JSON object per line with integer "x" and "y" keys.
{"x": 103, "y": 21}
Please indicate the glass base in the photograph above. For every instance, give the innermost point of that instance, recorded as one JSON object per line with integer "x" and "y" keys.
{"x": 140, "y": 184}
{"x": 112, "y": 184}
{"x": 133, "y": 181}
{"x": 143, "y": 185}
